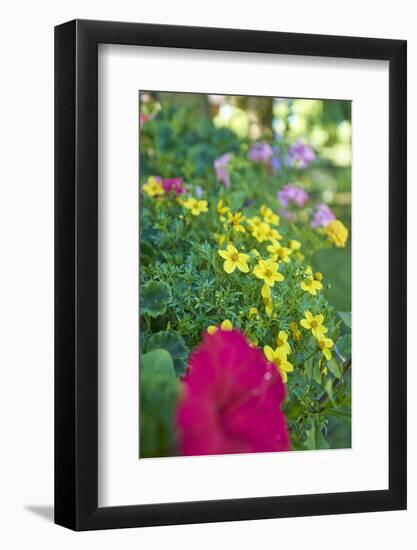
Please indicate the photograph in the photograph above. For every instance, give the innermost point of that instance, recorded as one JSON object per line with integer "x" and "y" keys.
{"x": 245, "y": 226}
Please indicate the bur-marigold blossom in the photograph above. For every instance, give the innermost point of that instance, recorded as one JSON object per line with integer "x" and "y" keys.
{"x": 222, "y": 208}
{"x": 268, "y": 215}
{"x": 295, "y": 331}
{"x": 325, "y": 345}
{"x": 236, "y": 220}
{"x": 265, "y": 291}
{"x": 337, "y": 233}
{"x": 282, "y": 342}
{"x": 294, "y": 245}
{"x": 234, "y": 259}
{"x": 267, "y": 270}
{"x": 195, "y": 206}
{"x": 311, "y": 286}
{"x": 278, "y": 252}
{"x": 314, "y": 323}
{"x": 153, "y": 187}
{"x": 230, "y": 400}
{"x": 279, "y": 358}
{"x": 261, "y": 231}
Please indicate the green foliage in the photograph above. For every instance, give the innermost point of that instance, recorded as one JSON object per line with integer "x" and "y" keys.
{"x": 158, "y": 397}
{"x": 174, "y": 344}
{"x": 154, "y": 298}
{"x": 346, "y": 317}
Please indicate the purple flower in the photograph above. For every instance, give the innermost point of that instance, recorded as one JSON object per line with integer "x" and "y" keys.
{"x": 220, "y": 167}
{"x": 260, "y": 152}
{"x": 173, "y": 185}
{"x": 301, "y": 155}
{"x": 322, "y": 216}
{"x": 292, "y": 194}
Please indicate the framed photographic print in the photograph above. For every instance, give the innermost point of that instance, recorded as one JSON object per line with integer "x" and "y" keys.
{"x": 230, "y": 275}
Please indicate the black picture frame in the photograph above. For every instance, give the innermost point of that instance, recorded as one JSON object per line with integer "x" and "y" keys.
{"x": 76, "y": 272}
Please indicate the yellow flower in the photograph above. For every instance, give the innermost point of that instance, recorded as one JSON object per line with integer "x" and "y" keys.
{"x": 266, "y": 291}
{"x": 153, "y": 187}
{"x": 295, "y": 331}
{"x": 268, "y": 306}
{"x": 273, "y": 235}
{"x": 261, "y": 231}
{"x": 267, "y": 270}
{"x": 337, "y": 233}
{"x": 325, "y": 345}
{"x": 234, "y": 259}
{"x": 311, "y": 286}
{"x": 222, "y": 208}
{"x": 254, "y": 222}
{"x": 294, "y": 244}
{"x": 278, "y": 252}
{"x": 318, "y": 276}
{"x": 282, "y": 342}
{"x": 268, "y": 215}
{"x": 236, "y": 220}
{"x": 314, "y": 323}
{"x": 253, "y": 311}
{"x": 195, "y": 206}
{"x": 220, "y": 239}
{"x": 226, "y": 325}
{"x": 279, "y": 358}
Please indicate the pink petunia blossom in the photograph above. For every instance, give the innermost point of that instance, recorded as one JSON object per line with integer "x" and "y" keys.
{"x": 230, "y": 401}
{"x": 173, "y": 185}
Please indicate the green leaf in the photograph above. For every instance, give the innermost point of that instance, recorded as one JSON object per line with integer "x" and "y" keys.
{"x": 174, "y": 344}
{"x": 334, "y": 368}
{"x": 344, "y": 346}
{"x": 159, "y": 392}
{"x": 329, "y": 390}
{"x": 155, "y": 296}
{"x": 315, "y": 439}
{"x": 346, "y": 317}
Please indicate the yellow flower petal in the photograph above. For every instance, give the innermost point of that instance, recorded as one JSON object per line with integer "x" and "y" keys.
{"x": 229, "y": 266}
{"x": 305, "y": 324}
{"x": 242, "y": 266}
{"x": 226, "y": 325}
{"x": 269, "y": 353}
{"x": 327, "y": 354}
{"x": 223, "y": 254}
{"x": 283, "y": 375}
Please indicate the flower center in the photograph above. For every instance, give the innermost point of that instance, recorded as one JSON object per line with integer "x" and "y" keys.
{"x": 314, "y": 324}
{"x": 268, "y": 272}
{"x": 234, "y": 256}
